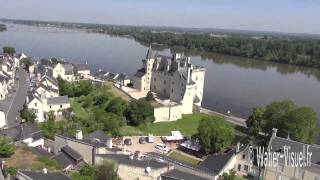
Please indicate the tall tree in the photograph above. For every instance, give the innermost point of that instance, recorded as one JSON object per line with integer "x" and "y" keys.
{"x": 7, "y": 147}
{"x": 9, "y": 50}
{"x": 215, "y": 134}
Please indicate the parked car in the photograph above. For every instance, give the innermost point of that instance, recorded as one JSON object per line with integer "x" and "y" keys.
{"x": 127, "y": 142}
{"x": 162, "y": 148}
{"x": 150, "y": 138}
{"x": 142, "y": 140}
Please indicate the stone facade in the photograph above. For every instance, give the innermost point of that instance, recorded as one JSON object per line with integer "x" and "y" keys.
{"x": 172, "y": 78}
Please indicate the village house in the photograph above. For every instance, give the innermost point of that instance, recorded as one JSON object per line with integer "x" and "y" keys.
{"x": 42, "y": 105}
{"x": 65, "y": 71}
{"x": 68, "y": 158}
{"x": 82, "y": 69}
{"x": 26, "y": 133}
{"x": 281, "y": 171}
{"x": 177, "y": 84}
{"x": 87, "y": 146}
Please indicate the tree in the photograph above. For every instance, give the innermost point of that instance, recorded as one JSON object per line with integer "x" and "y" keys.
{"x": 139, "y": 112}
{"x": 215, "y": 134}
{"x": 229, "y": 176}
{"x": 150, "y": 96}
{"x": 106, "y": 170}
{"x": 7, "y": 147}
{"x": 27, "y": 115}
{"x": 256, "y": 122}
{"x": 9, "y": 50}
{"x": 27, "y": 63}
{"x": 300, "y": 123}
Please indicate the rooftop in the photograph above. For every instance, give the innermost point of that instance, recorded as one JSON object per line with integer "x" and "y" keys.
{"x": 58, "y": 100}
{"x": 179, "y": 175}
{"x": 42, "y": 176}
{"x": 23, "y": 131}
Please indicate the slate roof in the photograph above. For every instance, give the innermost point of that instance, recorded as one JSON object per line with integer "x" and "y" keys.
{"x": 42, "y": 176}
{"x": 124, "y": 159}
{"x": 95, "y": 139}
{"x": 278, "y": 143}
{"x": 47, "y": 77}
{"x": 150, "y": 54}
{"x": 82, "y": 67}
{"x": 71, "y": 152}
{"x": 68, "y": 68}
{"x": 179, "y": 175}
{"x": 97, "y": 135}
{"x": 58, "y": 100}
{"x": 216, "y": 162}
{"x": 23, "y": 131}
{"x": 141, "y": 72}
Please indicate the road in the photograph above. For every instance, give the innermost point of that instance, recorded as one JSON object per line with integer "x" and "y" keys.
{"x": 235, "y": 120}
{"x": 17, "y": 99}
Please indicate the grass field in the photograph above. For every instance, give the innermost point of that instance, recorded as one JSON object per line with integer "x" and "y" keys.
{"x": 187, "y": 126}
{"x": 184, "y": 158}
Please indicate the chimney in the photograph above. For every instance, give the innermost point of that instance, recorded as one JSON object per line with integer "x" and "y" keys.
{"x": 45, "y": 171}
{"x": 109, "y": 143}
{"x": 79, "y": 134}
{"x": 274, "y": 132}
{"x": 238, "y": 147}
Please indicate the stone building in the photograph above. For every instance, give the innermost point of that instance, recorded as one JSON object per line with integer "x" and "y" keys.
{"x": 177, "y": 84}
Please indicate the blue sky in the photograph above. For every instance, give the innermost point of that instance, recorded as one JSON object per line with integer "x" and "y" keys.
{"x": 302, "y": 16}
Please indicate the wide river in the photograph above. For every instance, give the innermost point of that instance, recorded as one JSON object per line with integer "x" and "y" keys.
{"x": 231, "y": 83}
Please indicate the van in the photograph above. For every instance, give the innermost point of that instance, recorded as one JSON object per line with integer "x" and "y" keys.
{"x": 162, "y": 148}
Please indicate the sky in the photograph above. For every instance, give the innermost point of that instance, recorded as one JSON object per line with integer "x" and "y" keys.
{"x": 297, "y": 16}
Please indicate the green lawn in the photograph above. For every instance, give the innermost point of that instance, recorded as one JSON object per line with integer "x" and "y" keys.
{"x": 187, "y": 126}
{"x": 182, "y": 157}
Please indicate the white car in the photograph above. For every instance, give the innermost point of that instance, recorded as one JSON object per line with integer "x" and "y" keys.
{"x": 162, "y": 148}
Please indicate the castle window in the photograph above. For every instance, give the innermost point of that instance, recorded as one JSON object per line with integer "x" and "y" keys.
{"x": 164, "y": 82}
{"x": 50, "y": 107}
{"x": 246, "y": 168}
{"x": 35, "y": 104}
{"x": 60, "y": 106}
{"x": 196, "y": 78}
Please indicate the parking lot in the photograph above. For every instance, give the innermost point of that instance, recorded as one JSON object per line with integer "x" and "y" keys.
{"x": 147, "y": 147}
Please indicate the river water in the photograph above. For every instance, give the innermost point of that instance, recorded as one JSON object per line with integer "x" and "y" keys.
{"x": 231, "y": 83}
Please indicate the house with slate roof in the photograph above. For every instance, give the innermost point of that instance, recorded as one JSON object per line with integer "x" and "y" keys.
{"x": 283, "y": 171}
{"x": 65, "y": 71}
{"x": 82, "y": 69}
{"x": 42, "y": 105}
{"x": 33, "y": 175}
{"x": 87, "y": 146}
{"x": 25, "y": 133}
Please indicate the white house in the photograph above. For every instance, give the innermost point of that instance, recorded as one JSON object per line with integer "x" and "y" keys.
{"x": 65, "y": 71}
{"x": 2, "y": 119}
{"x": 82, "y": 69}
{"x": 26, "y": 133}
{"x": 42, "y": 105}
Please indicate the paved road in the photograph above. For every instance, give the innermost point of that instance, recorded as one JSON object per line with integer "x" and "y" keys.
{"x": 18, "y": 99}
{"x": 235, "y": 120}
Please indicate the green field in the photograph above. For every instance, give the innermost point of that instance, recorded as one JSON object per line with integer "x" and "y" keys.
{"x": 182, "y": 157}
{"x": 187, "y": 126}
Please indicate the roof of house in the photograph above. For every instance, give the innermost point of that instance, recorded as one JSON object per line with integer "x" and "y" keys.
{"x": 71, "y": 152}
{"x": 141, "y": 72}
{"x": 150, "y": 54}
{"x": 47, "y": 77}
{"x": 82, "y": 67}
{"x": 58, "y": 100}
{"x": 95, "y": 139}
{"x": 278, "y": 143}
{"x": 216, "y": 162}
{"x": 23, "y": 131}
{"x": 68, "y": 68}
{"x": 125, "y": 160}
{"x": 179, "y": 175}
{"x": 42, "y": 176}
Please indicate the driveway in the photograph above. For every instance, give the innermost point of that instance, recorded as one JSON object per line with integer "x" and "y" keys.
{"x": 15, "y": 101}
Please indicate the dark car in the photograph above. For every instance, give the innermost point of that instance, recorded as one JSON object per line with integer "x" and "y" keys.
{"x": 142, "y": 140}
{"x": 127, "y": 142}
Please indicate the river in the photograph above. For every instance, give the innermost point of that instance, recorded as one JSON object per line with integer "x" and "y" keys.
{"x": 231, "y": 83}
